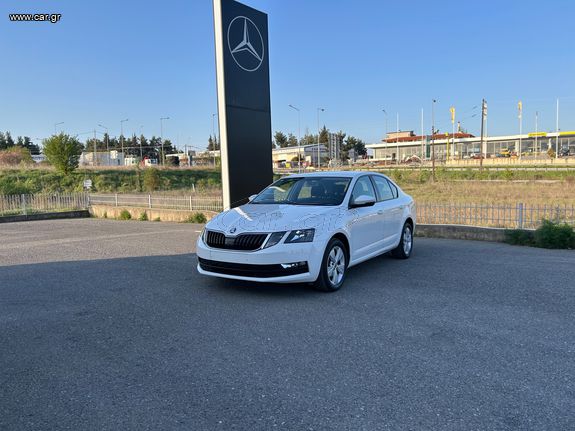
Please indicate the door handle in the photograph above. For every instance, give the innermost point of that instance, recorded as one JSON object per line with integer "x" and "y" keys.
{"x": 380, "y": 212}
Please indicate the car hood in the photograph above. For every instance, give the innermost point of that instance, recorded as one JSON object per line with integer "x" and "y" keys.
{"x": 273, "y": 218}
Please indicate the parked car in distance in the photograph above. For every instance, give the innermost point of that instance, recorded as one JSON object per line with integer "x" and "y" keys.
{"x": 309, "y": 228}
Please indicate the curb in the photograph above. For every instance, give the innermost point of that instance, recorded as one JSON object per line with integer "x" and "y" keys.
{"x": 46, "y": 216}
{"x": 450, "y": 231}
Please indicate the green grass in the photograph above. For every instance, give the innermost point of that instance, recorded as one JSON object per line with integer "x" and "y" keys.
{"x": 19, "y": 181}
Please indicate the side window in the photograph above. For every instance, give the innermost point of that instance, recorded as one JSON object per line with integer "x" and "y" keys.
{"x": 363, "y": 187}
{"x": 393, "y": 189}
{"x": 384, "y": 189}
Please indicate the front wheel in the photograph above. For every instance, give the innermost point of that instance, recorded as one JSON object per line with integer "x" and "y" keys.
{"x": 333, "y": 267}
{"x": 405, "y": 246}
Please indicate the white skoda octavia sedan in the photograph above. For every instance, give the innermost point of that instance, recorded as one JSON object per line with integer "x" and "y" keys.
{"x": 309, "y": 228}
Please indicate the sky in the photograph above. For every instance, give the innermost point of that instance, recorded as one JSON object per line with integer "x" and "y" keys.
{"x": 109, "y": 60}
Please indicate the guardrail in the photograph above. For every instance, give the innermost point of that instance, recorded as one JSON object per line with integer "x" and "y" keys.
{"x": 26, "y": 204}
{"x": 190, "y": 202}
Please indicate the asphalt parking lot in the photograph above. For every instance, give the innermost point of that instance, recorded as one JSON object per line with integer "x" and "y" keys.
{"x": 107, "y": 325}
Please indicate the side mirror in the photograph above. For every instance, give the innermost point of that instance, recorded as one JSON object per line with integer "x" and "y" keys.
{"x": 362, "y": 201}
{"x": 251, "y": 198}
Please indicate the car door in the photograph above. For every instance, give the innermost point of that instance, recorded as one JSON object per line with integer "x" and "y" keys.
{"x": 390, "y": 210}
{"x": 364, "y": 222}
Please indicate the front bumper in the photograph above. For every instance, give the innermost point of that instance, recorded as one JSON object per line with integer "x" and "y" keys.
{"x": 262, "y": 265}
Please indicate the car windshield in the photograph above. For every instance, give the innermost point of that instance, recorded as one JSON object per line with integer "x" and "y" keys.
{"x": 305, "y": 191}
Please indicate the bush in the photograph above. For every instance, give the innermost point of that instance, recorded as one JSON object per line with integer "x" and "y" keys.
{"x": 105, "y": 215}
{"x": 197, "y": 218}
{"x": 15, "y": 156}
{"x": 152, "y": 179}
{"x": 143, "y": 216}
{"x": 548, "y": 235}
{"x": 157, "y": 219}
{"x": 125, "y": 215}
{"x": 424, "y": 176}
{"x": 519, "y": 237}
{"x": 63, "y": 151}
{"x": 554, "y": 235}
{"x": 507, "y": 174}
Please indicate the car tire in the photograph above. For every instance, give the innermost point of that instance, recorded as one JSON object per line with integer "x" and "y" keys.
{"x": 333, "y": 267}
{"x": 405, "y": 246}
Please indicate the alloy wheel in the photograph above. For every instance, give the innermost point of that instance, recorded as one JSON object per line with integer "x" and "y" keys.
{"x": 335, "y": 265}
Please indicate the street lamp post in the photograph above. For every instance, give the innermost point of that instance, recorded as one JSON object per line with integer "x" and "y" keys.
{"x": 57, "y": 124}
{"x": 298, "y": 138}
{"x": 215, "y": 140}
{"x": 122, "y": 138}
{"x": 141, "y": 152}
{"x": 386, "y": 148}
{"x": 162, "y": 135}
{"x": 107, "y": 144}
{"x": 433, "y": 138}
{"x": 397, "y": 142}
{"x": 318, "y": 133}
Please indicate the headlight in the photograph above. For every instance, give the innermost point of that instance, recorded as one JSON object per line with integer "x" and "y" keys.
{"x": 300, "y": 235}
{"x": 274, "y": 239}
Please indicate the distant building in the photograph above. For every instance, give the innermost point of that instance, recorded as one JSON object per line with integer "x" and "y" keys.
{"x": 405, "y": 144}
{"x": 308, "y": 155}
{"x": 102, "y": 158}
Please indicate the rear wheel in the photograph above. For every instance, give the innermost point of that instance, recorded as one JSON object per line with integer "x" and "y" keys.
{"x": 405, "y": 246}
{"x": 333, "y": 267}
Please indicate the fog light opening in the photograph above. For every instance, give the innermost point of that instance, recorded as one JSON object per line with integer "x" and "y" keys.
{"x": 293, "y": 265}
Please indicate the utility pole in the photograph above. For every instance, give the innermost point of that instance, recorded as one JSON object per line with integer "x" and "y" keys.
{"x": 318, "y": 133}
{"x": 520, "y": 116}
{"x": 386, "y": 143}
{"x": 433, "y": 139}
{"x": 107, "y": 144}
{"x": 483, "y": 118}
{"x": 162, "y": 136}
{"x": 537, "y": 133}
{"x": 122, "y": 138}
{"x": 397, "y": 142}
{"x": 215, "y": 139}
{"x": 422, "y": 145}
{"x": 557, "y": 130}
{"x": 298, "y": 138}
{"x": 94, "y": 160}
{"x": 141, "y": 152}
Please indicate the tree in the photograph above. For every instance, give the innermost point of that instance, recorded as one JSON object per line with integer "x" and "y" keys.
{"x": 308, "y": 139}
{"x": 33, "y": 148}
{"x": 2, "y": 141}
{"x": 211, "y": 144}
{"x": 323, "y": 135}
{"x": 352, "y": 143}
{"x": 280, "y": 139}
{"x": 63, "y": 152}
{"x": 292, "y": 140}
{"x": 9, "y": 140}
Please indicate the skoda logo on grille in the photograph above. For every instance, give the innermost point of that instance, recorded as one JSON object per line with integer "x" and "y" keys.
{"x": 233, "y": 230}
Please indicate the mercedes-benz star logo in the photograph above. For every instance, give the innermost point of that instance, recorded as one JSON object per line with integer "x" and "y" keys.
{"x": 248, "y": 53}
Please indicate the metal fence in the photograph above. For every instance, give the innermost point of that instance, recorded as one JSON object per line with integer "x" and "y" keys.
{"x": 520, "y": 216}
{"x": 192, "y": 202}
{"x": 42, "y": 203}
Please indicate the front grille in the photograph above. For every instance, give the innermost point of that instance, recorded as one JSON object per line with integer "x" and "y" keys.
{"x": 244, "y": 241}
{"x": 248, "y": 270}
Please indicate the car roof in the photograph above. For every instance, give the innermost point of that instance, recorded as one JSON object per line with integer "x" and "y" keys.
{"x": 346, "y": 174}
